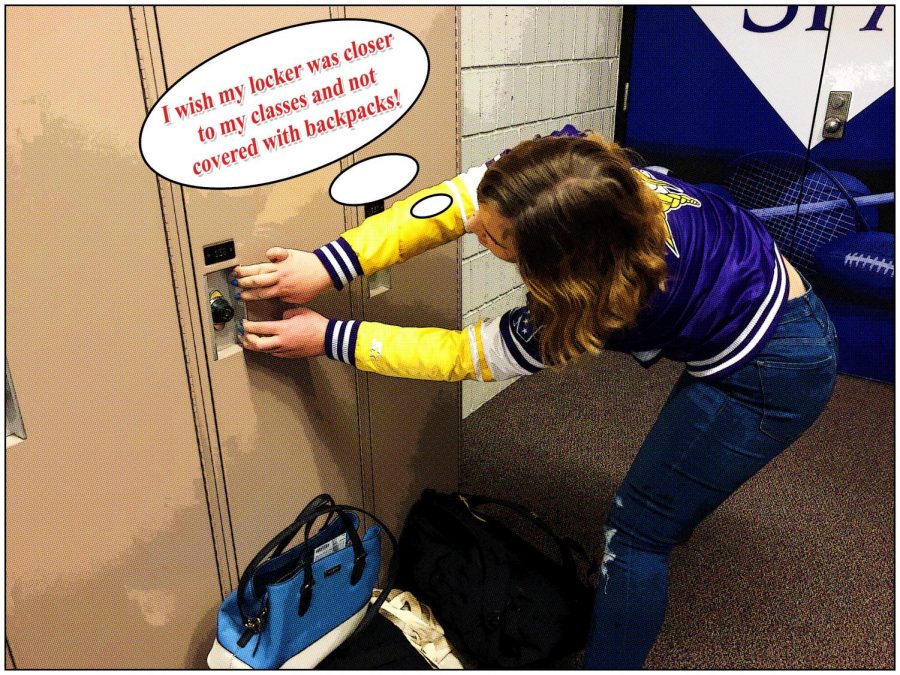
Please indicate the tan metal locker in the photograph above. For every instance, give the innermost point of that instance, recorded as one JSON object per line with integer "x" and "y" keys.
{"x": 156, "y": 465}
{"x": 415, "y": 425}
{"x": 109, "y": 551}
{"x": 287, "y": 429}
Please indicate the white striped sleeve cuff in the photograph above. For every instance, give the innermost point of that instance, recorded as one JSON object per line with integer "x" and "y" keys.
{"x": 340, "y": 261}
{"x": 340, "y": 340}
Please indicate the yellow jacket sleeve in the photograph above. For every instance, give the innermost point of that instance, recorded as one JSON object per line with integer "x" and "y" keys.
{"x": 427, "y": 219}
{"x": 495, "y": 349}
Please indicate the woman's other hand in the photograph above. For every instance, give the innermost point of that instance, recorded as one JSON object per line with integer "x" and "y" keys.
{"x": 300, "y": 334}
{"x": 292, "y": 276}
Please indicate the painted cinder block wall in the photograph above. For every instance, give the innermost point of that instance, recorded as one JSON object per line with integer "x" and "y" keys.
{"x": 526, "y": 70}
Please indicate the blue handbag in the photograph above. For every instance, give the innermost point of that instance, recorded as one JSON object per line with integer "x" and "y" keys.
{"x": 292, "y": 608}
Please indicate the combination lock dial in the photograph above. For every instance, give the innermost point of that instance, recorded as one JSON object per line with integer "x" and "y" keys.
{"x": 222, "y": 311}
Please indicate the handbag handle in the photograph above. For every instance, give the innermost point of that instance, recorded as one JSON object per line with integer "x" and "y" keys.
{"x": 359, "y": 552}
{"x": 322, "y": 500}
{"x": 283, "y": 538}
{"x": 255, "y": 624}
{"x": 566, "y": 545}
{"x": 359, "y": 558}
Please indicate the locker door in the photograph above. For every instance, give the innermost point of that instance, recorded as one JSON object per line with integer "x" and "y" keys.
{"x": 286, "y": 430}
{"x": 711, "y": 83}
{"x": 109, "y": 552}
{"x": 415, "y": 425}
{"x": 860, "y": 60}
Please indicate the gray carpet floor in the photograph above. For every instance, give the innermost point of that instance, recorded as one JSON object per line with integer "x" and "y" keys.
{"x": 795, "y": 570}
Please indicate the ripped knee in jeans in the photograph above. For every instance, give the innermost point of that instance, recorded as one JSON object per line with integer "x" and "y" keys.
{"x": 608, "y": 555}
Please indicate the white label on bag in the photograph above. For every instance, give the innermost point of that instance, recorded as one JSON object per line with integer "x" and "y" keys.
{"x": 337, "y": 544}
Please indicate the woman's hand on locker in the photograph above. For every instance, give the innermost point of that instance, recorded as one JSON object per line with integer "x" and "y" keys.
{"x": 292, "y": 276}
{"x": 300, "y": 334}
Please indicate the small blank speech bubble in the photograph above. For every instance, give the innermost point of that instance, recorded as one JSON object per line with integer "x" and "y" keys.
{"x": 284, "y": 103}
{"x": 429, "y": 207}
{"x": 373, "y": 179}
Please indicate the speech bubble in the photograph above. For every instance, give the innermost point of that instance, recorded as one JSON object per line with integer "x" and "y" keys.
{"x": 284, "y": 103}
{"x": 429, "y": 207}
{"x": 373, "y": 179}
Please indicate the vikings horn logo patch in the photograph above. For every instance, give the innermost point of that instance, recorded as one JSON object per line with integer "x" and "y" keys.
{"x": 672, "y": 199}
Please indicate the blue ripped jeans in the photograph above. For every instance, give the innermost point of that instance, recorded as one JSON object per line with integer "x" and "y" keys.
{"x": 709, "y": 439}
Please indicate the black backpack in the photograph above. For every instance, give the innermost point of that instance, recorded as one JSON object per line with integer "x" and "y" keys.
{"x": 499, "y": 599}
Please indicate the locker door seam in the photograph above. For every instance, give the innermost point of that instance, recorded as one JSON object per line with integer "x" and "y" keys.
{"x": 357, "y": 311}
{"x": 178, "y": 310}
{"x": 459, "y": 257}
{"x": 812, "y": 131}
{"x": 12, "y": 658}
{"x": 225, "y": 528}
{"x": 187, "y": 323}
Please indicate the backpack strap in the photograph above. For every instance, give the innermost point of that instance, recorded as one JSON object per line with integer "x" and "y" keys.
{"x": 566, "y": 545}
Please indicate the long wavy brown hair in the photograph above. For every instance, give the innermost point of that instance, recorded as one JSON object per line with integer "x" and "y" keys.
{"x": 589, "y": 236}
